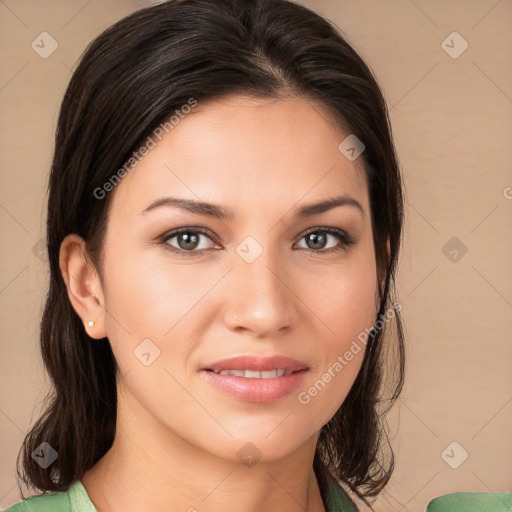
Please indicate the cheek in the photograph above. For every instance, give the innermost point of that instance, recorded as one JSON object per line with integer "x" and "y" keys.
{"x": 149, "y": 299}
{"x": 146, "y": 293}
{"x": 344, "y": 297}
{"x": 344, "y": 301}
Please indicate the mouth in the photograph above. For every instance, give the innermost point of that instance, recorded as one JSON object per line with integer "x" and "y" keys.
{"x": 256, "y": 379}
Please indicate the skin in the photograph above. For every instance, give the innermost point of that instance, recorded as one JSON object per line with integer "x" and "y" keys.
{"x": 177, "y": 435}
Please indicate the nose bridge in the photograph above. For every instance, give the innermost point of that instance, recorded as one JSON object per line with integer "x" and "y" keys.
{"x": 261, "y": 299}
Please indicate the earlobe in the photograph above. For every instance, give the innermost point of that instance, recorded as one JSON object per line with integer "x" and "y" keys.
{"x": 83, "y": 285}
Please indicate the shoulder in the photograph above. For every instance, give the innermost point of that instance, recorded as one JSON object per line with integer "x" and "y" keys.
{"x": 54, "y": 502}
{"x": 19, "y": 507}
{"x": 337, "y": 498}
{"x": 471, "y": 502}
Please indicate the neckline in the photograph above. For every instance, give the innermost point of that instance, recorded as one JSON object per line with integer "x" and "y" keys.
{"x": 81, "y": 501}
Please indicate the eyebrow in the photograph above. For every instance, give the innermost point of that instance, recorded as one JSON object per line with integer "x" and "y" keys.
{"x": 213, "y": 210}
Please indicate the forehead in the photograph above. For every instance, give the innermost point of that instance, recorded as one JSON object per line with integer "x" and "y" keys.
{"x": 246, "y": 150}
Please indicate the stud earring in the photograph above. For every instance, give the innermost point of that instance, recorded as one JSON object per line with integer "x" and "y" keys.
{"x": 91, "y": 323}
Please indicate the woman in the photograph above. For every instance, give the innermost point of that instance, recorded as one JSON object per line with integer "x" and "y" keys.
{"x": 224, "y": 223}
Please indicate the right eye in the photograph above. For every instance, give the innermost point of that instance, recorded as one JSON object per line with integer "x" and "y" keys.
{"x": 188, "y": 241}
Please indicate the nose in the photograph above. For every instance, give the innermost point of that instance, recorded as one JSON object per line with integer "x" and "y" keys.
{"x": 261, "y": 298}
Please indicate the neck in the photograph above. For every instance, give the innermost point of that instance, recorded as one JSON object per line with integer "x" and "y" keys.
{"x": 151, "y": 468}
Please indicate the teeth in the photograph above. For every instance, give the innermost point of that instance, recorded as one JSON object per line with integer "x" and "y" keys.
{"x": 237, "y": 373}
{"x": 253, "y": 374}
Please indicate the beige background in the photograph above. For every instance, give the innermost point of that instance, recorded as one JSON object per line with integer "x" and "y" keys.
{"x": 452, "y": 120}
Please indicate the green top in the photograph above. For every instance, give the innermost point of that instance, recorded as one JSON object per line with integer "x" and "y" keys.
{"x": 337, "y": 498}
{"x": 76, "y": 499}
{"x": 472, "y": 502}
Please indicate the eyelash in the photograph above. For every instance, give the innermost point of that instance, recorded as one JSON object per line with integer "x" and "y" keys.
{"x": 345, "y": 239}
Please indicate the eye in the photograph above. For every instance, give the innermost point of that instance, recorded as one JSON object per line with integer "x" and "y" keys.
{"x": 317, "y": 239}
{"x": 188, "y": 241}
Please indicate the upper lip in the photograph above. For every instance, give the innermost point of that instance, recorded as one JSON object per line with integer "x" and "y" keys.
{"x": 257, "y": 363}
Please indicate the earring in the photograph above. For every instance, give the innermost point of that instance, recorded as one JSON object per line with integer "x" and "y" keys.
{"x": 91, "y": 323}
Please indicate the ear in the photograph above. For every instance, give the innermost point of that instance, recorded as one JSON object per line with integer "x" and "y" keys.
{"x": 388, "y": 256}
{"x": 83, "y": 284}
{"x": 381, "y": 275}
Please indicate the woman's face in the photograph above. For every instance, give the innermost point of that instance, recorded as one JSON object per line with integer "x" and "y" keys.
{"x": 262, "y": 282}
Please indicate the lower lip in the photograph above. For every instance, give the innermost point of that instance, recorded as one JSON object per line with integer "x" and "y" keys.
{"x": 255, "y": 390}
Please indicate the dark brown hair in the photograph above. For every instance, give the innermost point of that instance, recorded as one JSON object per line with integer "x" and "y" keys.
{"x": 129, "y": 80}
